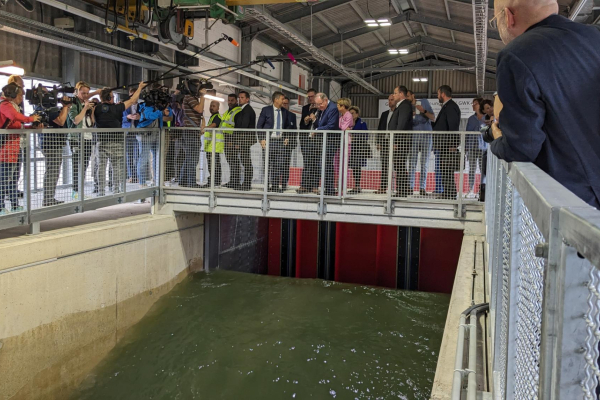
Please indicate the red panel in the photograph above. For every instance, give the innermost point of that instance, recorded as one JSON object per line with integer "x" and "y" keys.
{"x": 439, "y": 253}
{"x": 307, "y": 248}
{"x": 274, "y": 247}
{"x": 386, "y": 261}
{"x": 355, "y": 253}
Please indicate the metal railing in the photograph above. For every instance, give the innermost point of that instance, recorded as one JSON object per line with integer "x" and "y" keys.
{"x": 49, "y": 173}
{"x": 544, "y": 254}
{"x": 413, "y": 166}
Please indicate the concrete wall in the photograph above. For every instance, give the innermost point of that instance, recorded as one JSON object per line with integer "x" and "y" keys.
{"x": 68, "y": 296}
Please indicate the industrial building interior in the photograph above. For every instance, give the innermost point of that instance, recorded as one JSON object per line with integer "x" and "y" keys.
{"x": 168, "y": 291}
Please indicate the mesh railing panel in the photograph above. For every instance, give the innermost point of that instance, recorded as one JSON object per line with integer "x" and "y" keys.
{"x": 504, "y": 306}
{"x": 592, "y": 319}
{"x": 530, "y": 288}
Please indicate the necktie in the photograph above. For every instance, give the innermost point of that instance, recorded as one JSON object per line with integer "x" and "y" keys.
{"x": 278, "y": 126}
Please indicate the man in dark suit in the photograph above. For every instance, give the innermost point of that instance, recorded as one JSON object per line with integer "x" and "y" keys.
{"x": 293, "y": 143}
{"x": 245, "y": 119}
{"x": 328, "y": 121}
{"x": 276, "y": 117}
{"x": 310, "y": 157}
{"x": 383, "y": 143}
{"x": 402, "y": 120}
{"x": 551, "y": 108}
{"x": 446, "y": 145}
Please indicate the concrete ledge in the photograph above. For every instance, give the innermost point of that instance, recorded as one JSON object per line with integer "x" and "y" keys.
{"x": 459, "y": 302}
{"x": 68, "y": 296}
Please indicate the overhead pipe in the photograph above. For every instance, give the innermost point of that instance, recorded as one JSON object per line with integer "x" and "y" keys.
{"x": 422, "y": 68}
{"x": 139, "y": 33}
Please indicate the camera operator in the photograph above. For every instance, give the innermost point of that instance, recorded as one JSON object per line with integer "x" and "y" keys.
{"x": 11, "y": 118}
{"x": 109, "y": 115}
{"x": 151, "y": 116}
{"x": 193, "y": 107}
{"x": 52, "y": 145}
{"x": 81, "y": 116}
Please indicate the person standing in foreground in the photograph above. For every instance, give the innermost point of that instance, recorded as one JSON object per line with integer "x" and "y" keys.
{"x": 193, "y": 109}
{"x": 218, "y": 145}
{"x": 360, "y": 150}
{"x": 285, "y": 177}
{"x": 551, "y": 113}
{"x": 328, "y": 121}
{"x": 474, "y": 145}
{"x": 310, "y": 158}
{"x": 110, "y": 115}
{"x": 245, "y": 119}
{"x": 402, "y": 120}
{"x": 421, "y": 142}
{"x": 446, "y": 145}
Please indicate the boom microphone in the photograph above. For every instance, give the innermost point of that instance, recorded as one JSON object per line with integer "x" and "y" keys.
{"x": 270, "y": 63}
{"x": 231, "y": 40}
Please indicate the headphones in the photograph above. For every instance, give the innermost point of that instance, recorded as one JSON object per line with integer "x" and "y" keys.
{"x": 11, "y": 90}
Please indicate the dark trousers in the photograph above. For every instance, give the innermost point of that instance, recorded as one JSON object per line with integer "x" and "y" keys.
{"x": 311, "y": 156}
{"x": 449, "y": 163}
{"x": 245, "y": 156}
{"x": 384, "y": 155}
{"x": 79, "y": 151}
{"x": 53, "y": 161}
{"x": 331, "y": 184}
{"x": 277, "y": 158}
{"x": 217, "y": 168}
{"x": 191, "y": 146}
{"x": 359, "y": 152}
{"x": 8, "y": 184}
{"x": 285, "y": 174}
{"x": 401, "y": 153}
{"x": 239, "y": 146}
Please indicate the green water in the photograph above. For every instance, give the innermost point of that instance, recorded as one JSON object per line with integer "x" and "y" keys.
{"x": 227, "y": 335}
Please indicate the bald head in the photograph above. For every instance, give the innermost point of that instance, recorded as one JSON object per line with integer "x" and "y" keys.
{"x": 514, "y": 17}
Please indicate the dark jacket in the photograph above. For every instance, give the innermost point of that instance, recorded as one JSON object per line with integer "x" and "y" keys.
{"x": 292, "y": 120}
{"x": 266, "y": 120}
{"x": 245, "y": 119}
{"x": 448, "y": 120}
{"x": 402, "y": 119}
{"x": 547, "y": 82}
{"x": 306, "y": 111}
{"x": 383, "y": 121}
{"x": 329, "y": 120}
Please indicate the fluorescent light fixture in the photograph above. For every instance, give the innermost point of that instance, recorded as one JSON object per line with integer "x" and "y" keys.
{"x": 370, "y": 21}
{"x": 379, "y": 22}
{"x": 383, "y": 20}
{"x": 375, "y": 24}
{"x": 385, "y": 24}
{"x": 9, "y": 67}
{"x": 424, "y": 79}
{"x": 420, "y": 79}
{"x": 209, "y": 97}
{"x": 392, "y": 51}
{"x": 403, "y": 51}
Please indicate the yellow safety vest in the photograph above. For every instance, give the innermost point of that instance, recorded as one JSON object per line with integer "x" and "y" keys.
{"x": 227, "y": 121}
{"x": 219, "y": 137}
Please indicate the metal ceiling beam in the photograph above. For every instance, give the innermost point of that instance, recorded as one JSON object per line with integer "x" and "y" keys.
{"x": 480, "y": 25}
{"x": 292, "y": 34}
{"x": 363, "y": 16}
{"x": 406, "y": 17}
{"x": 72, "y": 7}
{"x": 456, "y": 54}
{"x": 306, "y": 11}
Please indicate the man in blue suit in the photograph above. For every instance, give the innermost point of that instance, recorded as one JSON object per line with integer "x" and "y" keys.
{"x": 276, "y": 117}
{"x": 551, "y": 113}
{"x": 327, "y": 121}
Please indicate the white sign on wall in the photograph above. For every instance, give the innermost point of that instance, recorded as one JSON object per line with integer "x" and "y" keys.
{"x": 465, "y": 106}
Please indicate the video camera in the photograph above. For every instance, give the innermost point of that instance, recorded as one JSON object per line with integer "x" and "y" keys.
{"x": 192, "y": 87}
{"x": 47, "y": 97}
{"x": 158, "y": 98}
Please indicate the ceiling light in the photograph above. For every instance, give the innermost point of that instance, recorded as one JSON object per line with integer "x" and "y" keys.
{"x": 392, "y": 51}
{"x": 420, "y": 79}
{"x": 379, "y": 22}
{"x": 209, "y": 97}
{"x": 375, "y": 24}
{"x": 424, "y": 79}
{"x": 403, "y": 51}
{"x": 385, "y": 24}
{"x": 383, "y": 20}
{"x": 9, "y": 67}
{"x": 370, "y": 21}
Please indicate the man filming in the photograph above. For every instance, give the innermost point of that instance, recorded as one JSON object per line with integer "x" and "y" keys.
{"x": 193, "y": 107}
{"x": 109, "y": 115}
{"x": 52, "y": 145}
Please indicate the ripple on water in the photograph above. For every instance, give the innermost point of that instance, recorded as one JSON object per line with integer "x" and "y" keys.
{"x": 229, "y": 335}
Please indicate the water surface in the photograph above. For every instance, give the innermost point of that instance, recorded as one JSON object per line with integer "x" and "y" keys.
{"x": 227, "y": 335}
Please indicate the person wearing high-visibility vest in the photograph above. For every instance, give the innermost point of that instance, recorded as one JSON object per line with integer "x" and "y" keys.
{"x": 231, "y": 153}
{"x": 219, "y": 142}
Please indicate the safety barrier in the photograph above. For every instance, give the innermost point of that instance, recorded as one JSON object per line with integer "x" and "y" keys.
{"x": 49, "y": 173}
{"x": 544, "y": 254}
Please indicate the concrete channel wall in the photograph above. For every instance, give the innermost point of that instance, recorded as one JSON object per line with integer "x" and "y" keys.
{"x": 68, "y": 296}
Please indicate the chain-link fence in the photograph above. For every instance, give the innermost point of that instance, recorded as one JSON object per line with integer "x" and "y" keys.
{"x": 545, "y": 303}
{"x": 62, "y": 171}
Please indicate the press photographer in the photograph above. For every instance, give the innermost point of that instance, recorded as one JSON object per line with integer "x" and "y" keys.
{"x": 153, "y": 111}
{"x": 11, "y": 118}
{"x": 110, "y": 115}
{"x": 193, "y": 92}
{"x": 52, "y": 144}
{"x": 81, "y": 116}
